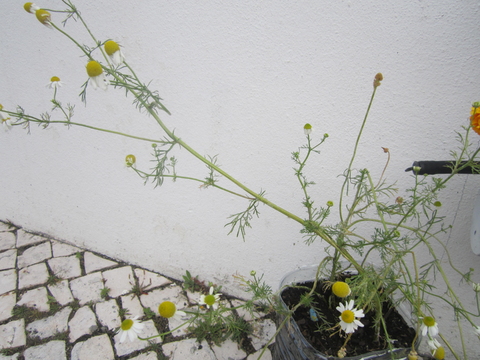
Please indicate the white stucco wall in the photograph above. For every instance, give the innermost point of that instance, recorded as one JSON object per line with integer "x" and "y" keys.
{"x": 241, "y": 79}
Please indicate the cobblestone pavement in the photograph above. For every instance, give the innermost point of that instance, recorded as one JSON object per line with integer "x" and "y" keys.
{"x": 51, "y": 307}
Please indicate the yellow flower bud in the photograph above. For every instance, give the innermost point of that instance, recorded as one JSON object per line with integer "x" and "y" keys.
{"x": 130, "y": 160}
{"x": 43, "y": 16}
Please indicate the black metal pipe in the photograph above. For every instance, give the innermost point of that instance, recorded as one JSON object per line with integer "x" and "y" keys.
{"x": 440, "y": 167}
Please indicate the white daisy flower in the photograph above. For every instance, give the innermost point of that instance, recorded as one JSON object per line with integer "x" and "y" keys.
{"x": 307, "y": 129}
{"x": 433, "y": 344}
{"x": 44, "y": 17}
{"x": 348, "y": 317}
{"x": 429, "y": 326}
{"x": 210, "y": 300}
{"x": 130, "y": 327}
{"x": 168, "y": 309}
{"x": 113, "y": 50}
{"x": 54, "y": 83}
{"x": 6, "y": 121}
{"x": 97, "y": 76}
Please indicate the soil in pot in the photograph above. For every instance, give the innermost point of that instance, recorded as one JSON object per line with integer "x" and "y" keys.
{"x": 363, "y": 341}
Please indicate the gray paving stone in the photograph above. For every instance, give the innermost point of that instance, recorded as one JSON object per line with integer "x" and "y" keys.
{"x": 63, "y": 249}
{"x": 95, "y": 348}
{"x": 12, "y": 357}
{"x": 5, "y": 227}
{"x": 87, "y": 288}
{"x": 65, "y": 267}
{"x": 263, "y": 331}
{"x": 8, "y": 281}
{"x": 7, "y": 302}
{"x": 35, "y": 254}
{"x": 188, "y": 349}
{"x": 61, "y": 292}
{"x": 83, "y": 322}
{"x": 12, "y": 334}
{"x": 146, "y": 356}
{"x": 128, "y": 346}
{"x": 7, "y": 259}
{"x": 133, "y": 305}
{"x": 53, "y": 350}
{"x": 7, "y": 240}
{"x": 44, "y": 328}
{"x": 32, "y": 275}
{"x": 93, "y": 262}
{"x": 150, "y": 279}
{"x": 25, "y": 238}
{"x": 229, "y": 350}
{"x": 107, "y": 314}
{"x": 118, "y": 280}
{"x": 36, "y": 298}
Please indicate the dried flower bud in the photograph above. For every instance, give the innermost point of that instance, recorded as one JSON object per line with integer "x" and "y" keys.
{"x": 399, "y": 200}
{"x": 378, "y": 78}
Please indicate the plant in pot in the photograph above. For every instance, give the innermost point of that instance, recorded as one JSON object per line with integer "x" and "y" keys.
{"x": 370, "y": 269}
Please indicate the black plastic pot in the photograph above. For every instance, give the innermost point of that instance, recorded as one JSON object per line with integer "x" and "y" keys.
{"x": 290, "y": 344}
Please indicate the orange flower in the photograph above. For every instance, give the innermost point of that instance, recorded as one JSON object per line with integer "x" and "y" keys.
{"x": 475, "y": 119}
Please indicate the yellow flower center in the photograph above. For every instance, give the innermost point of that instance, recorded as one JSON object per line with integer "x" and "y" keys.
{"x": 127, "y": 324}
{"x": 341, "y": 289}
{"x": 130, "y": 160}
{"x": 348, "y": 316}
{"x": 28, "y": 6}
{"x": 439, "y": 354}
{"x": 429, "y": 321}
{"x": 43, "y": 16}
{"x": 167, "y": 309}
{"x": 210, "y": 300}
{"x": 111, "y": 47}
{"x": 94, "y": 68}
{"x": 54, "y": 79}
{"x": 1, "y": 107}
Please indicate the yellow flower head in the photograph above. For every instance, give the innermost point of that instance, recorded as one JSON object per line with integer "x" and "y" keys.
{"x": 307, "y": 128}
{"x": 439, "y": 354}
{"x": 43, "y": 16}
{"x": 94, "y": 68}
{"x": 475, "y": 119}
{"x": 130, "y": 160}
{"x": 167, "y": 309}
{"x": 30, "y": 7}
{"x": 341, "y": 289}
{"x": 111, "y": 47}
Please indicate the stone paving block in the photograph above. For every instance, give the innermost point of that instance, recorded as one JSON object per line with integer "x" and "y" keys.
{"x": 12, "y": 334}
{"x": 229, "y": 350}
{"x": 61, "y": 292}
{"x": 107, "y": 314}
{"x": 133, "y": 305}
{"x": 12, "y": 357}
{"x": 83, "y": 322}
{"x": 5, "y": 227}
{"x": 8, "y": 281}
{"x": 146, "y": 356}
{"x": 128, "y": 346}
{"x": 263, "y": 331}
{"x": 36, "y": 298}
{"x": 65, "y": 267}
{"x": 172, "y": 293}
{"x": 7, "y": 302}
{"x": 7, "y": 240}
{"x": 188, "y": 349}
{"x": 267, "y": 355}
{"x": 93, "y": 262}
{"x": 53, "y": 350}
{"x": 25, "y": 238}
{"x": 44, "y": 328}
{"x": 95, "y": 348}
{"x": 150, "y": 279}
{"x": 118, "y": 280}
{"x": 32, "y": 275}
{"x": 35, "y": 254}
{"x": 7, "y": 259}
{"x": 62, "y": 249}
{"x": 87, "y": 288}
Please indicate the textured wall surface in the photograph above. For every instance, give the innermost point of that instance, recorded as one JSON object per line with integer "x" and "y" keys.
{"x": 240, "y": 79}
